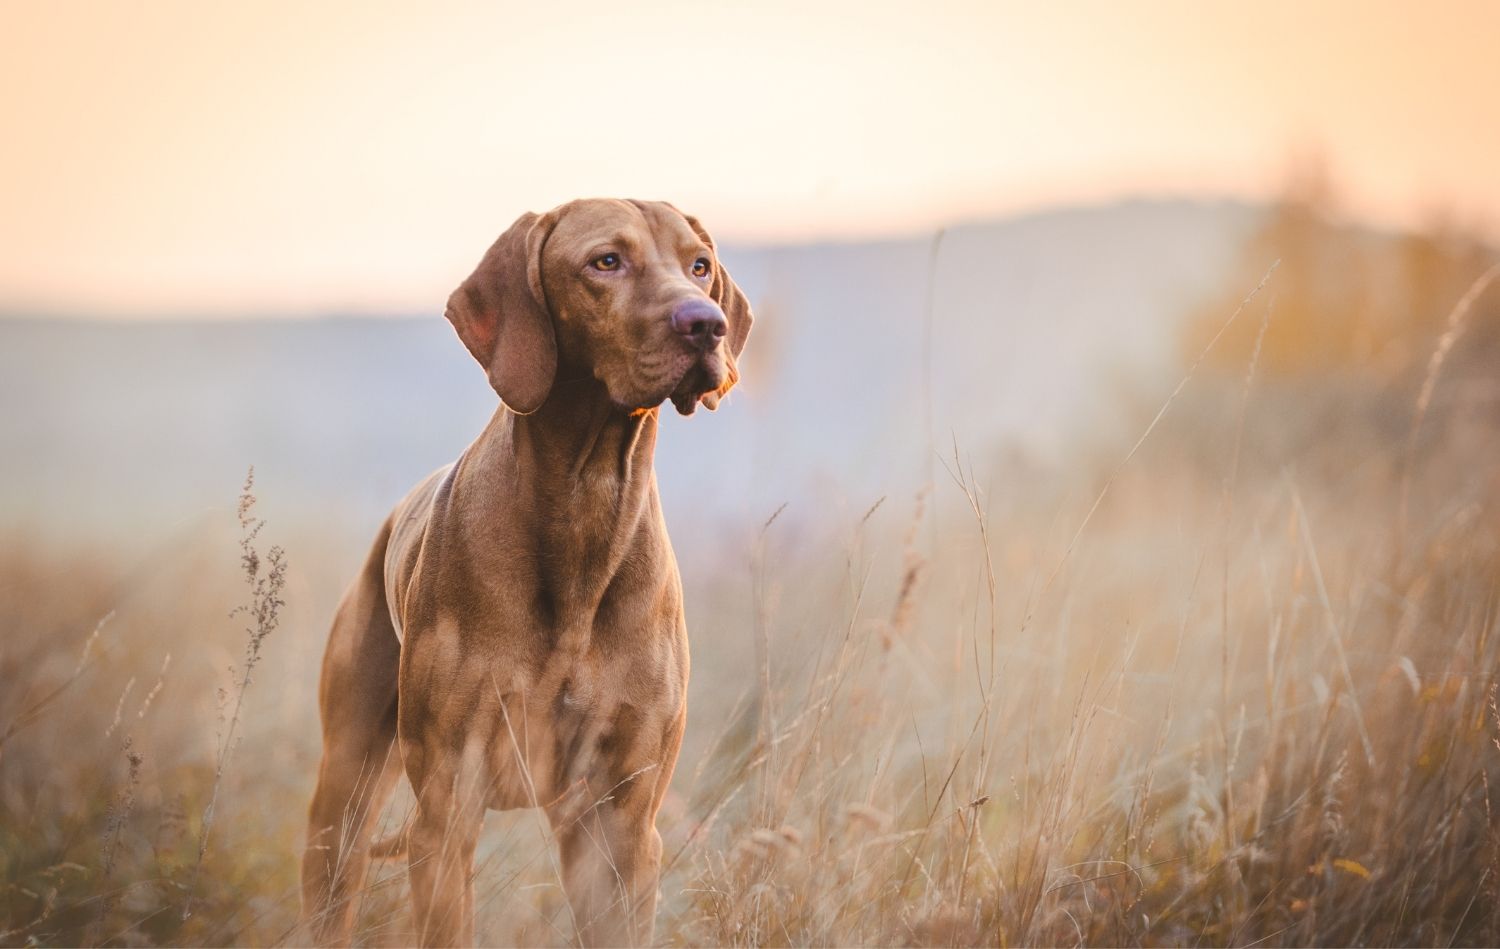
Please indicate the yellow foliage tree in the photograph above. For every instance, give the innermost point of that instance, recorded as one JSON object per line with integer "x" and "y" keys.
{"x": 1345, "y": 297}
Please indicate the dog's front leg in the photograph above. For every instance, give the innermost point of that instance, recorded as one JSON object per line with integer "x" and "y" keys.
{"x": 611, "y": 850}
{"x": 610, "y": 860}
{"x": 440, "y": 852}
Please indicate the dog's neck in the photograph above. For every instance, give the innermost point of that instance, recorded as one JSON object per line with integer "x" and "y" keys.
{"x": 581, "y": 469}
{"x": 581, "y": 440}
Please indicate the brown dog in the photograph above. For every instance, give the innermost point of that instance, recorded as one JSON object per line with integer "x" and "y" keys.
{"x": 518, "y": 624}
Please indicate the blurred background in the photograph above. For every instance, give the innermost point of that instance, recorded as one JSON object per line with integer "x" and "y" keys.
{"x": 1117, "y": 441}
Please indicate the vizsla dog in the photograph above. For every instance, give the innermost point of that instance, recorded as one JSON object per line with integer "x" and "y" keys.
{"x": 518, "y": 626}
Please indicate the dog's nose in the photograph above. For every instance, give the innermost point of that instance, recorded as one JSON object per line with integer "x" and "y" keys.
{"x": 700, "y": 322}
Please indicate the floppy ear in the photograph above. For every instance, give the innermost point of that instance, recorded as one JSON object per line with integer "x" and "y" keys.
{"x": 731, "y": 299}
{"x": 501, "y": 315}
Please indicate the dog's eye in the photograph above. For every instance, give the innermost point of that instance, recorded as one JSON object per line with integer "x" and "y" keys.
{"x": 606, "y": 262}
{"x": 700, "y": 267}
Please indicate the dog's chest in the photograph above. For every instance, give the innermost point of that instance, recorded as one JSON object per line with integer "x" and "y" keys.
{"x": 582, "y": 721}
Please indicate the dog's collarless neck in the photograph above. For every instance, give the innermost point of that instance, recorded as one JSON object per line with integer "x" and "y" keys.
{"x": 578, "y": 438}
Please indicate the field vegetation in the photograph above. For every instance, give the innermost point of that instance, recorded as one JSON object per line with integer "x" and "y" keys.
{"x": 1225, "y": 678}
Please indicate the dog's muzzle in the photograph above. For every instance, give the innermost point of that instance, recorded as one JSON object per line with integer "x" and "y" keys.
{"x": 700, "y": 322}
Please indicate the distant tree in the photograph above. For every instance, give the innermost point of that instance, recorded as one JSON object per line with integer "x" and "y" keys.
{"x": 1347, "y": 298}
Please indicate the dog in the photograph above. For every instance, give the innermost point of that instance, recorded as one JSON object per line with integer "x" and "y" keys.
{"x": 516, "y": 636}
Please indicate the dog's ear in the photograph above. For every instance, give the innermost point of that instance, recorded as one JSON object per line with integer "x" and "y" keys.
{"x": 501, "y": 315}
{"x": 731, "y": 299}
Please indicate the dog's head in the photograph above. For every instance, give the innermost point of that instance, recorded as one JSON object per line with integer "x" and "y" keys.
{"x": 630, "y": 291}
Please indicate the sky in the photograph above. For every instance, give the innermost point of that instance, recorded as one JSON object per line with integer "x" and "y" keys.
{"x": 182, "y": 158}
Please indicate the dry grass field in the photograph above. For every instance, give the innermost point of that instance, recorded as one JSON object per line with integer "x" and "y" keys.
{"x": 1226, "y": 678}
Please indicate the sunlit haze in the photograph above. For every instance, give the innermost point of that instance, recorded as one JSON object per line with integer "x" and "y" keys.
{"x": 182, "y": 158}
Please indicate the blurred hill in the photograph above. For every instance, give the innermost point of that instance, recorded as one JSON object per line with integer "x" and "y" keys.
{"x": 133, "y": 431}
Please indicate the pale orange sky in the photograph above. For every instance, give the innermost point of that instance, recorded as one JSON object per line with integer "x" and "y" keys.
{"x": 165, "y": 157}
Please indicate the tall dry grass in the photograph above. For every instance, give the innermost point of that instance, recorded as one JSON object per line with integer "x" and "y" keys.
{"x": 1237, "y": 691}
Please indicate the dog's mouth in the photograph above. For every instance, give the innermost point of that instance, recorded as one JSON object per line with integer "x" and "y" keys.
{"x": 706, "y": 380}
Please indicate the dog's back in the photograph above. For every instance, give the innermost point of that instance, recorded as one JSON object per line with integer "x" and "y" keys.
{"x": 403, "y": 545}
